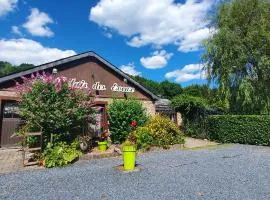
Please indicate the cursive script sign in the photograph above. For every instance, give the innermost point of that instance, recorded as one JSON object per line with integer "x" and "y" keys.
{"x": 118, "y": 88}
{"x": 82, "y": 84}
{"x": 77, "y": 84}
{"x": 98, "y": 86}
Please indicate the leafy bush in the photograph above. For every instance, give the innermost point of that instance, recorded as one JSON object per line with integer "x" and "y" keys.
{"x": 158, "y": 131}
{"x": 194, "y": 110}
{"x": 189, "y": 106}
{"x": 244, "y": 129}
{"x": 32, "y": 141}
{"x": 144, "y": 138}
{"x": 122, "y": 113}
{"x": 164, "y": 131}
{"x": 60, "y": 154}
{"x": 49, "y": 103}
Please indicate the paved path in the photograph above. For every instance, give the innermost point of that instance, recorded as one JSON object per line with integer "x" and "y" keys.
{"x": 223, "y": 172}
{"x": 197, "y": 143}
{"x": 10, "y": 160}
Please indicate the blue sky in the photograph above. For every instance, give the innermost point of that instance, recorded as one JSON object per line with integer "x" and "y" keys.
{"x": 157, "y": 39}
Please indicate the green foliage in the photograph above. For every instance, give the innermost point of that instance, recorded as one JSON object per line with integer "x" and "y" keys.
{"x": 244, "y": 129}
{"x": 152, "y": 86}
{"x": 194, "y": 110}
{"x": 189, "y": 105}
{"x": 32, "y": 141}
{"x": 164, "y": 89}
{"x": 60, "y": 154}
{"x": 158, "y": 131}
{"x": 197, "y": 90}
{"x": 7, "y": 68}
{"x": 211, "y": 96}
{"x": 169, "y": 90}
{"x": 144, "y": 138}
{"x": 53, "y": 106}
{"x": 122, "y": 113}
{"x": 238, "y": 56}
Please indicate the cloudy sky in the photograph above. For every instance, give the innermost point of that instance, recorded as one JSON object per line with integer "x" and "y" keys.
{"x": 156, "y": 39}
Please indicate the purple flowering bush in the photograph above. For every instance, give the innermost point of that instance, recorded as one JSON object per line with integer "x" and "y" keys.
{"x": 48, "y": 102}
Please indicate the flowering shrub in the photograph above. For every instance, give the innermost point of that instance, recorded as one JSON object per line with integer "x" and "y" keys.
{"x": 144, "y": 139}
{"x": 158, "y": 131}
{"x": 49, "y": 103}
{"x": 124, "y": 116}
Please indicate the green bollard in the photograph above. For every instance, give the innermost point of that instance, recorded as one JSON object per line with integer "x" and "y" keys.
{"x": 129, "y": 157}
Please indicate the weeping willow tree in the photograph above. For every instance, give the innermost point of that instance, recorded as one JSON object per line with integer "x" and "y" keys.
{"x": 237, "y": 56}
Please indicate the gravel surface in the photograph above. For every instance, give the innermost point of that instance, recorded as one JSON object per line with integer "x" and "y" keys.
{"x": 224, "y": 172}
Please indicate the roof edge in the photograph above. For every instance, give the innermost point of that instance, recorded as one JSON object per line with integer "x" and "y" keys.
{"x": 70, "y": 59}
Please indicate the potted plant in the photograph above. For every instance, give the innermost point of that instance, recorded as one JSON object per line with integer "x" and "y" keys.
{"x": 129, "y": 150}
{"x": 103, "y": 143}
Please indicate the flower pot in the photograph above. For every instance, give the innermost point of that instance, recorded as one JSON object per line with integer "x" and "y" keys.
{"x": 102, "y": 146}
{"x": 129, "y": 157}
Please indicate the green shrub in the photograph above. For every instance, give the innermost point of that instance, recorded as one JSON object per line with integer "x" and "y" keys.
{"x": 122, "y": 113}
{"x": 144, "y": 138}
{"x": 158, "y": 131}
{"x": 243, "y": 129}
{"x": 60, "y": 154}
{"x": 164, "y": 131}
{"x": 193, "y": 110}
{"x": 32, "y": 141}
{"x": 189, "y": 106}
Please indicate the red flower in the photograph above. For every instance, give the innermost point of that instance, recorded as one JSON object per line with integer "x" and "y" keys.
{"x": 133, "y": 124}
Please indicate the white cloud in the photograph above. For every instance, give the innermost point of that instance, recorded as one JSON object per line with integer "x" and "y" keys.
{"x": 37, "y": 23}
{"x": 155, "y": 22}
{"x": 7, "y": 6}
{"x": 157, "y": 60}
{"x": 16, "y": 30}
{"x": 187, "y": 73}
{"x": 17, "y": 51}
{"x": 130, "y": 69}
{"x": 192, "y": 41}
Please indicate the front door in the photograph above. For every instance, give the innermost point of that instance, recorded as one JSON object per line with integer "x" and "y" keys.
{"x": 10, "y": 121}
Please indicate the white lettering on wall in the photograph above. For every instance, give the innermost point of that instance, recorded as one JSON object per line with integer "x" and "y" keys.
{"x": 118, "y": 88}
{"x": 98, "y": 86}
{"x": 82, "y": 84}
{"x": 77, "y": 84}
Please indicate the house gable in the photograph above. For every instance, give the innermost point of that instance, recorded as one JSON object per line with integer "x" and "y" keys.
{"x": 91, "y": 71}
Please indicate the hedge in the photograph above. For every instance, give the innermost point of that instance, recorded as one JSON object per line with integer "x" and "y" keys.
{"x": 243, "y": 129}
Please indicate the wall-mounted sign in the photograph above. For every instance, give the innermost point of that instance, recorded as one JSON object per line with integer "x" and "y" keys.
{"x": 78, "y": 84}
{"x": 98, "y": 86}
{"x": 82, "y": 84}
{"x": 118, "y": 88}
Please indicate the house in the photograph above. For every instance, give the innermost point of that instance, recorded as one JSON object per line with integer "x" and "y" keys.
{"x": 86, "y": 70}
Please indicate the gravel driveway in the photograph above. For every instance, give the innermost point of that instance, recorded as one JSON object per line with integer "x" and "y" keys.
{"x": 225, "y": 172}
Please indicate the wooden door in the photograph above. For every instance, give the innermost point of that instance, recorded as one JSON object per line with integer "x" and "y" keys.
{"x": 10, "y": 121}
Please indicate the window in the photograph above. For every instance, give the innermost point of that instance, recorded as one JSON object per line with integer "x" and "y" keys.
{"x": 10, "y": 110}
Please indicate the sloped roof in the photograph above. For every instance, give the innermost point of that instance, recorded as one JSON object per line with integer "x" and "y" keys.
{"x": 73, "y": 58}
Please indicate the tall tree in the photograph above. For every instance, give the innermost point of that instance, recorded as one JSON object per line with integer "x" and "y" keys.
{"x": 170, "y": 90}
{"x": 7, "y": 68}
{"x": 153, "y": 86}
{"x": 165, "y": 89}
{"x": 237, "y": 56}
